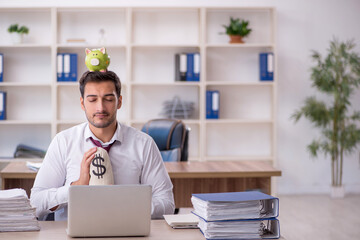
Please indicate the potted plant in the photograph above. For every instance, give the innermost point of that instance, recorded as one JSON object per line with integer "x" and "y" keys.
{"x": 237, "y": 29}
{"x": 17, "y": 32}
{"x": 337, "y": 76}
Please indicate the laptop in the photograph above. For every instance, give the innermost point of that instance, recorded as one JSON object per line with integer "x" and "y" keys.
{"x": 109, "y": 211}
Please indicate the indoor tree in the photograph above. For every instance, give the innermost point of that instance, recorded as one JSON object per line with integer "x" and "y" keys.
{"x": 337, "y": 75}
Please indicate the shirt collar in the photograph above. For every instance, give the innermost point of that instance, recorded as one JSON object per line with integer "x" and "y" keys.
{"x": 118, "y": 135}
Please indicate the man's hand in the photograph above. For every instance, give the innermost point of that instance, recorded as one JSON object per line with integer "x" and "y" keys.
{"x": 85, "y": 167}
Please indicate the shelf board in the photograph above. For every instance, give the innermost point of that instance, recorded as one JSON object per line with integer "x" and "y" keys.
{"x": 239, "y": 158}
{"x": 24, "y": 84}
{"x": 141, "y": 45}
{"x": 90, "y": 46}
{"x": 9, "y": 159}
{"x": 175, "y": 83}
{"x": 25, "y": 122}
{"x": 71, "y": 122}
{"x": 240, "y": 45}
{"x": 233, "y": 83}
{"x": 239, "y": 121}
{"x": 25, "y": 45}
{"x": 186, "y": 121}
{"x": 68, "y": 83}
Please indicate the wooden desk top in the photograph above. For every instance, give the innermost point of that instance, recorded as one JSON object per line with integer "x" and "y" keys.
{"x": 211, "y": 169}
{"x": 221, "y": 169}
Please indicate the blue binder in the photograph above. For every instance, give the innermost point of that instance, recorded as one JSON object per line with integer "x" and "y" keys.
{"x": 60, "y": 67}
{"x": 73, "y": 67}
{"x": 266, "y": 66}
{"x": 190, "y": 67}
{"x": 232, "y": 211}
{"x": 212, "y": 104}
{"x": 1, "y": 67}
{"x": 196, "y": 67}
{"x": 270, "y": 229}
{"x": 69, "y": 67}
{"x": 270, "y": 204}
{"x": 2, "y": 105}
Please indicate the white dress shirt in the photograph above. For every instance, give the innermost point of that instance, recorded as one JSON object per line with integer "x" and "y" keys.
{"x": 134, "y": 157}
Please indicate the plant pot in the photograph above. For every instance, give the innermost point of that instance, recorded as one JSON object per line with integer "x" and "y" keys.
{"x": 236, "y": 39}
{"x": 337, "y": 191}
{"x": 17, "y": 38}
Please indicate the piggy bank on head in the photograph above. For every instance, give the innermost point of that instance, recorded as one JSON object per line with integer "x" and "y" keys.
{"x": 97, "y": 59}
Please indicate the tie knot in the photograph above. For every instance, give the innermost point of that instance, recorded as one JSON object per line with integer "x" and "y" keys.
{"x": 98, "y": 144}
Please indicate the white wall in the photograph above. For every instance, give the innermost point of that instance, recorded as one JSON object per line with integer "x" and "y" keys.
{"x": 302, "y": 26}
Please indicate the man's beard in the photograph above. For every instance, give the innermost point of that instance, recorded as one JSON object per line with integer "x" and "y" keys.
{"x": 101, "y": 124}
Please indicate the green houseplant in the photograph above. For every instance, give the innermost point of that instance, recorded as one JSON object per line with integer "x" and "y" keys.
{"x": 18, "y": 32}
{"x": 237, "y": 29}
{"x": 337, "y": 76}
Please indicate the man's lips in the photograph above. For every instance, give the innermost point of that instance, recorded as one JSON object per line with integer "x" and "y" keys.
{"x": 101, "y": 115}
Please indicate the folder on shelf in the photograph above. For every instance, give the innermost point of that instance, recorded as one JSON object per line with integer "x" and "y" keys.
{"x": 2, "y": 105}
{"x": 190, "y": 67}
{"x": 60, "y": 67}
{"x": 73, "y": 67}
{"x": 1, "y": 67}
{"x": 25, "y": 151}
{"x": 183, "y": 66}
{"x": 212, "y": 104}
{"x": 235, "y": 205}
{"x": 196, "y": 66}
{"x": 266, "y": 66}
{"x": 69, "y": 67}
{"x": 193, "y": 67}
{"x": 180, "y": 66}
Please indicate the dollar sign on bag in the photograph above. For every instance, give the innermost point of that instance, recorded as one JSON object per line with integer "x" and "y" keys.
{"x": 100, "y": 169}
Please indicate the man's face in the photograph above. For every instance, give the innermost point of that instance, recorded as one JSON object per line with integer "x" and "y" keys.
{"x": 100, "y": 103}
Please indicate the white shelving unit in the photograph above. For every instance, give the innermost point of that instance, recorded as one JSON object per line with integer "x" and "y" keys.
{"x": 142, "y": 42}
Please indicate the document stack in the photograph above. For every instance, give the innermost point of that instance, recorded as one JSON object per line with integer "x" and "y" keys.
{"x": 16, "y": 213}
{"x": 237, "y": 215}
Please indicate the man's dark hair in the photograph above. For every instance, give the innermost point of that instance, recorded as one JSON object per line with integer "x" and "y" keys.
{"x": 100, "y": 77}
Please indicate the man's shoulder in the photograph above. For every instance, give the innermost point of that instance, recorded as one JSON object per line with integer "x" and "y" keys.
{"x": 131, "y": 132}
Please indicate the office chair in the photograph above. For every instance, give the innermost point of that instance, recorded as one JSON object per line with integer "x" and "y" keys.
{"x": 171, "y": 137}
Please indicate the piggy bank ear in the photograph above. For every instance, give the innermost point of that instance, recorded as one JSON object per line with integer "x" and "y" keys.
{"x": 103, "y": 50}
{"x": 87, "y": 51}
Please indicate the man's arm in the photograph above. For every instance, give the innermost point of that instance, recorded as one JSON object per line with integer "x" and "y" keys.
{"x": 155, "y": 174}
{"x": 48, "y": 191}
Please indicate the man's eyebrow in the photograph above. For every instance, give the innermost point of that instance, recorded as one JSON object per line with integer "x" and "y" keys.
{"x": 106, "y": 95}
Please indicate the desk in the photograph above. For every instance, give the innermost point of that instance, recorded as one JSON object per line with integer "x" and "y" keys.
{"x": 56, "y": 230}
{"x": 187, "y": 177}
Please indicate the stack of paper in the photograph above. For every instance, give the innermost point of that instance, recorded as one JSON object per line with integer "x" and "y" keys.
{"x": 16, "y": 213}
{"x": 237, "y": 215}
{"x": 182, "y": 220}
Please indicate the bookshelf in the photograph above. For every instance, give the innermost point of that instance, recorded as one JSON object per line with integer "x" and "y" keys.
{"x": 142, "y": 42}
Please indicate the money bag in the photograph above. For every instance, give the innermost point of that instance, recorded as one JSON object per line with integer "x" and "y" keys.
{"x": 100, "y": 169}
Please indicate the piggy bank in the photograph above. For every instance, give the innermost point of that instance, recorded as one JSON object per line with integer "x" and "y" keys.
{"x": 97, "y": 59}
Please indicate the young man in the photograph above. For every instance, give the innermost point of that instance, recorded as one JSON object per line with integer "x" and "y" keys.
{"x": 134, "y": 156}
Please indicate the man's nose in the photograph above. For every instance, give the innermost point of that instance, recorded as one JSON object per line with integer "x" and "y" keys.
{"x": 100, "y": 105}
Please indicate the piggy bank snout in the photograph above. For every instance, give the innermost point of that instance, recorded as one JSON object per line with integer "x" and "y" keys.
{"x": 94, "y": 62}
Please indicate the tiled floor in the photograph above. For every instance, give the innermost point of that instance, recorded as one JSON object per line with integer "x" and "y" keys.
{"x": 317, "y": 217}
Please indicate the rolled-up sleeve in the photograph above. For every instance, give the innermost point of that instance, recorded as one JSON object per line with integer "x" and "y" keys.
{"x": 49, "y": 189}
{"x": 155, "y": 174}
